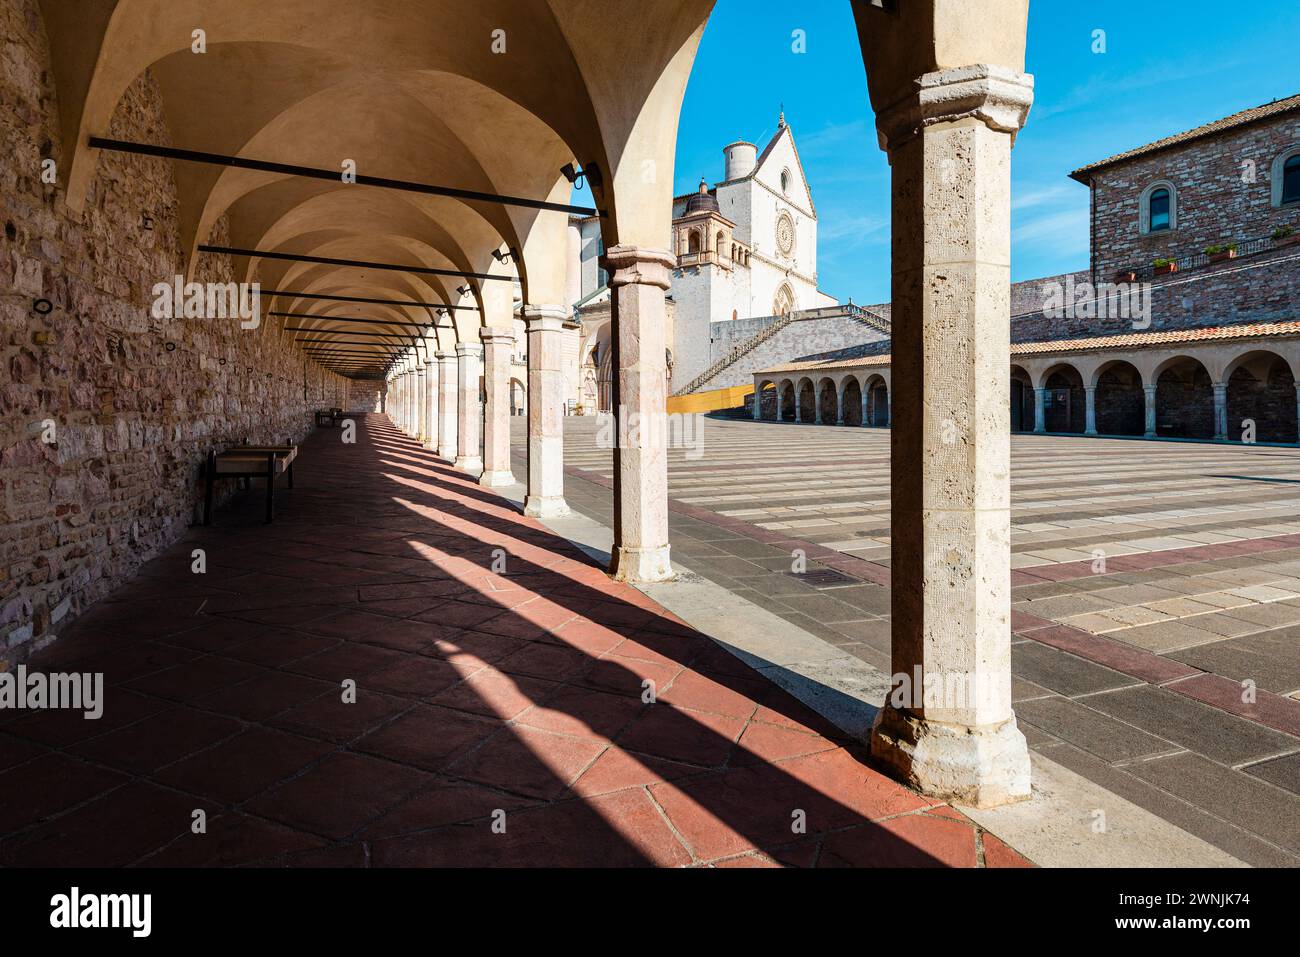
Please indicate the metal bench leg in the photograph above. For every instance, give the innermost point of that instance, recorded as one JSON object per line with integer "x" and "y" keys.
{"x": 270, "y": 487}
{"x": 210, "y": 477}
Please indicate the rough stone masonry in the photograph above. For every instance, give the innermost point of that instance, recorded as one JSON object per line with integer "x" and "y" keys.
{"x": 107, "y": 413}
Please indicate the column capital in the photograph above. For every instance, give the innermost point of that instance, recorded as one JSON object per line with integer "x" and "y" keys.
{"x": 997, "y": 96}
{"x": 444, "y": 356}
{"x": 637, "y": 265}
{"x": 547, "y": 318}
{"x": 496, "y": 334}
{"x": 469, "y": 349}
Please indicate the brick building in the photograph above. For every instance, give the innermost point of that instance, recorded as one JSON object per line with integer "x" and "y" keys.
{"x": 1183, "y": 325}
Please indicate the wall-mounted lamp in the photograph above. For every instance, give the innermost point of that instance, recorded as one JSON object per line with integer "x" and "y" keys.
{"x": 465, "y": 290}
{"x": 510, "y": 255}
{"x": 591, "y": 173}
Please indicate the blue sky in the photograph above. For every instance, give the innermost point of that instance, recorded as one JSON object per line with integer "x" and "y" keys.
{"x": 1165, "y": 69}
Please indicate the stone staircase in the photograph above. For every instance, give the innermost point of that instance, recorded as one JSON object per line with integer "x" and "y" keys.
{"x": 856, "y": 313}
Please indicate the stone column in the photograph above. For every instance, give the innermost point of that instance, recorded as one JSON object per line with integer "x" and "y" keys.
{"x": 1150, "y": 391}
{"x": 446, "y": 405}
{"x": 545, "y": 496}
{"x": 1040, "y": 410}
{"x": 1089, "y": 410}
{"x": 469, "y": 407}
{"x": 430, "y": 400}
{"x": 949, "y": 143}
{"x": 422, "y": 424}
{"x": 410, "y": 401}
{"x": 498, "y": 345}
{"x": 1297, "y": 407}
{"x": 839, "y": 405}
{"x": 1220, "y": 411}
{"x": 798, "y": 404}
{"x": 758, "y": 403}
{"x": 866, "y": 406}
{"x": 638, "y": 279}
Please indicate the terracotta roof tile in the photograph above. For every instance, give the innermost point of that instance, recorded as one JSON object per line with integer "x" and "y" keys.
{"x": 1276, "y": 108}
{"x": 1130, "y": 340}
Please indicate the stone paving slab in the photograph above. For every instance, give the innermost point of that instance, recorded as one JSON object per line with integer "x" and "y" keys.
{"x": 1207, "y": 538}
{"x": 598, "y": 726}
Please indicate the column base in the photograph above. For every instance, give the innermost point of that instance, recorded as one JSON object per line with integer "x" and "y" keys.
{"x": 497, "y": 479}
{"x": 980, "y": 767}
{"x": 536, "y": 506}
{"x": 1093, "y": 433}
{"x": 448, "y": 454}
{"x": 468, "y": 463}
{"x": 641, "y": 565}
{"x": 1148, "y": 435}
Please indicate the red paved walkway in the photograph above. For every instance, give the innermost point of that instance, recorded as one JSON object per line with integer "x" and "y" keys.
{"x": 482, "y": 699}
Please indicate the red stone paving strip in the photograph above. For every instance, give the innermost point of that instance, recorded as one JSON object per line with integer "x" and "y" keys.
{"x": 479, "y": 694}
{"x": 1272, "y": 710}
{"x": 1069, "y": 571}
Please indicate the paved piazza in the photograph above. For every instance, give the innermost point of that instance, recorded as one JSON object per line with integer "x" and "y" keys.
{"x": 1156, "y": 591}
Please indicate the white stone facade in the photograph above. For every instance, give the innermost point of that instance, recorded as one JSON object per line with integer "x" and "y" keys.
{"x": 745, "y": 248}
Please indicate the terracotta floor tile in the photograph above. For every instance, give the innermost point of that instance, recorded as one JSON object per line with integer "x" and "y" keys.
{"x": 528, "y": 762}
{"x": 340, "y": 795}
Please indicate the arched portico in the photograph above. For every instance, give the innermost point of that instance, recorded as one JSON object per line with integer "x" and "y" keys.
{"x": 1259, "y": 398}
{"x": 1119, "y": 399}
{"x": 851, "y": 400}
{"x": 828, "y": 407}
{"x": 1182, "y": 399}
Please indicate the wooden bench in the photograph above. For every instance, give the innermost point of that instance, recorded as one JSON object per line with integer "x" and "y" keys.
{"x": 249, "y": 462}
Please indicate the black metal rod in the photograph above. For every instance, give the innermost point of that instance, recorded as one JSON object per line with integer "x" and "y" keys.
{"x": 350, "y": 332}
{"x": 378, "y": 302}
{"x": 372, "y": 322}
{"x": 311, "y": 172}
{"x": 327, "y": 261}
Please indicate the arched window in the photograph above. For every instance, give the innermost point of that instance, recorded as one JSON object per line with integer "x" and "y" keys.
{"x": 1158, "y": 208}
{"x": 783, "y": 305}
{"x": 722, "y": 243}
{"x": 785, "y": 181}
{"x": 693, "y": 243}
{"x": 1286, "y": 178}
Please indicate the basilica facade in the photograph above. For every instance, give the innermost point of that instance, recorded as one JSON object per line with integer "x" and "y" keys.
{"x": 744, "y": 249}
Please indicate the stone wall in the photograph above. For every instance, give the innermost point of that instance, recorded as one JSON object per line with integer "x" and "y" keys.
{"x": 809, "y": 335}
{"x": 108, "y": 412}
{"x": 1223, "y": 194}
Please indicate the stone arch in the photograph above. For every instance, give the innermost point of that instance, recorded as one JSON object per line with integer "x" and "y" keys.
{"x": 807, "y": 397}
{"x": 768, "y": 400}
{"x": 851, "y": 400}
{"x": 788, "y": 401}
{"x": 1184, "y": 399}
{"x": 1144, "y": 206}
{"x": 518, "y": 397}
{"x": 1022, "y": 400}
{"x": 1260, "y": 388}
{"x": 693, "y": 242}
{"x": 877, "y": 401}
{"x": 828, "y": 402}
{"x": 1284, "y": 171}
{"x": 1119, "y": 399}
{"x": 783, "y": 303}
{"x": 1064, "y": 401}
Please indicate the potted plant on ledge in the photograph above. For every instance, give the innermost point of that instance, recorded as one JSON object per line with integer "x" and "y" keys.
{"x": 1285, "y": 236}
{"x": 1163, "y": 267}
{"x": 1126, "y": 275}
{"x": 1221, "y": 251}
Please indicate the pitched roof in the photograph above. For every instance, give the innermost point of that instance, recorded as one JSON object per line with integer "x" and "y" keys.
{"x": 1130, "y": 340}
{"x": 1253, "y": 115}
